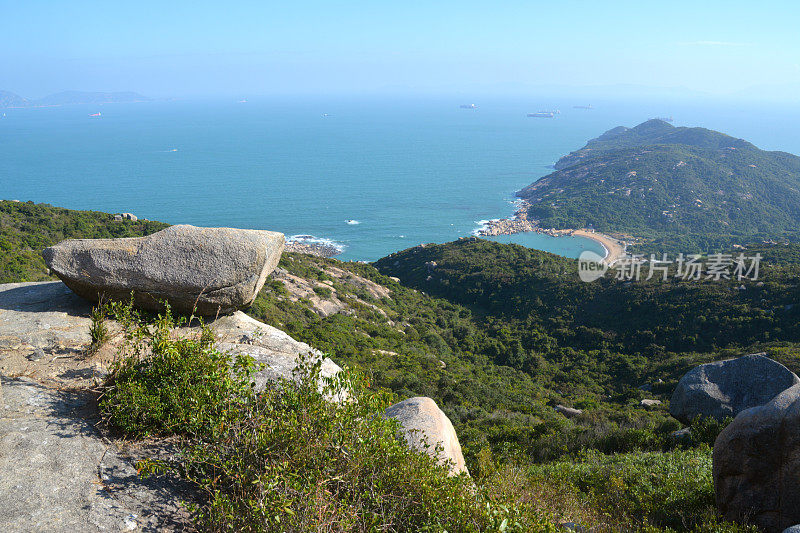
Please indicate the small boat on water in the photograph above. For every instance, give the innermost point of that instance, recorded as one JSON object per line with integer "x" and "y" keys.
{"x": 468, "y": 106}
{"x": 582, "y": 106}
{"x": 95, "y": 115}
{"x": 542, "y": 114}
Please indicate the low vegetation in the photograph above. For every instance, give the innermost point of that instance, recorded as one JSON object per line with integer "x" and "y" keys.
{"x": 285, "y": 458}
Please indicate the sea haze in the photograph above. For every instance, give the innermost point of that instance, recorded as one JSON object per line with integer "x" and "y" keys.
{"x": 375, "y": 176}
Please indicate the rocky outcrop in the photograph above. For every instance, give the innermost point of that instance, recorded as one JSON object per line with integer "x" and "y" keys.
{"x": 215, "y": 270}
{"x": 276, "y": 351}
{"x": 57, "y": 472}
{"x": 329, "y": 300}
{"x": 726, "y": 388}
{"x": 424, "y": 425}
{"x": 757, "y": 464}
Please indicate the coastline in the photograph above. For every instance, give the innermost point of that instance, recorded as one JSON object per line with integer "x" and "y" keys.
{"x": 318, "y": 249}
{"x": 520, "y": 223}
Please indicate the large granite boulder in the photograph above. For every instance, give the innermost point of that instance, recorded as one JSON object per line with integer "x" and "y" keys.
{"x": 424, "y": 425}
{"x": 757, "y": 464}
{"x": 726, "y": 388}
{"x": 216, "y": 270}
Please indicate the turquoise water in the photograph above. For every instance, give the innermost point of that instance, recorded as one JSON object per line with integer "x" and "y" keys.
{"x": 375, "y": 176}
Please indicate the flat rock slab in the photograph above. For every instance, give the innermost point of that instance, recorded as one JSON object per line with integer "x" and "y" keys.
{"x": 58, "y": 473}
{"x": 44, "y": 315}
{"x": 209, "y": 270}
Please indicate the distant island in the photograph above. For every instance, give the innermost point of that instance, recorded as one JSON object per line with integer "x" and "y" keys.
{"x": 670, "y": 188}
{"x": 9, "y": 100}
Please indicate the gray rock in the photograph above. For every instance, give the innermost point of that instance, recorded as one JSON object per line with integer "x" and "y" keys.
{"x": 568, "y": 412}
{"x": 218, "y": 270}
{"x": 424, "y": 425}
{"x": 274, "y": 349}
{"x": 59, "y": 474}
{"x": 36, "y": 354}
{"x": 681, "y": 434}
{"x": 649, "y": 403}
{"x": 45, "y": 315}
{"x": 793, "y": 529}
{"x": 756, "y": 465}
{"x": 726, "y": 388}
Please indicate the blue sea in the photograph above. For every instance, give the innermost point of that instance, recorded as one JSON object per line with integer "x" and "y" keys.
{"x": 372, "y": 175}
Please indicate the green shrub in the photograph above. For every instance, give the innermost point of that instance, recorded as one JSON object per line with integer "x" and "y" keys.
{"x": 286, "y": 458}
{"x": 324, "y": 292}
{"x": 706, "y": 429}
{"x": 297, "y": 462}
{"x": 98, "y": 330}
{"x": 164, "y": 385}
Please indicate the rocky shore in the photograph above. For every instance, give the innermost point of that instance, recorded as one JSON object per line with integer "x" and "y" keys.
{"x": 318, "y": 249}
{"x": 519, "y": 223}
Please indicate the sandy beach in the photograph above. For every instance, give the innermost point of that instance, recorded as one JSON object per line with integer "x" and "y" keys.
{"x": 615, "y": 249}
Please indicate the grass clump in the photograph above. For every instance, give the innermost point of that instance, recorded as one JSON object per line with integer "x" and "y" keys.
{"x": 98, "y": 329}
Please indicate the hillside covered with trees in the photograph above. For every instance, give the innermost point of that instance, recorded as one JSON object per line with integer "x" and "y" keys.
{"x": 684, "y": 189}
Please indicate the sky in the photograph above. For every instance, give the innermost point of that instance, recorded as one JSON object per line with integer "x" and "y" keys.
{"x": 175, "y": 48}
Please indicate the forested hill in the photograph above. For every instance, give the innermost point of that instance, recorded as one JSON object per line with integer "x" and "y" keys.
{"x": 688, "y": 188}
{"x": 653, "y": 131}
{"x": 540, "y": 291}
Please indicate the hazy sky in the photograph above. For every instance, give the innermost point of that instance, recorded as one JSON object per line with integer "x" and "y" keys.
{"x": 173, "y": 48}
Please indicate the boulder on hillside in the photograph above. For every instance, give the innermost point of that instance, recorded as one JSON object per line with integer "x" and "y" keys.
{"x": 274, "y": 349}
{"x": 215, "y": 270}
{"x": 726, "y": 388}
{"x": 757, "y": 464}
{"x": 424, "y": 425}
{"x": 569, "y": 412}
{"x": 793, "y": 529}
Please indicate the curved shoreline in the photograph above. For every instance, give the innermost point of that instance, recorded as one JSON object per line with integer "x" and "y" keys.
{"x": 519, "y": 223}
{"x": 615, "y": 249}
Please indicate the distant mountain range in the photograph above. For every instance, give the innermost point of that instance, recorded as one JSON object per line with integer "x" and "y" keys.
{"x": 10, "y": 100}
{"x": 683, "y": 187}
